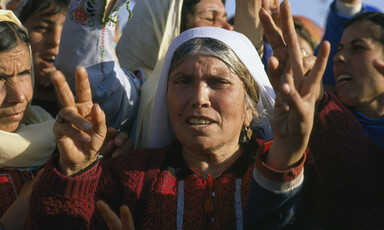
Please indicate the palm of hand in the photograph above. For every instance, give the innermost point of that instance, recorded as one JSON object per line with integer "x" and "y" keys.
{"x": 296, "y": 91}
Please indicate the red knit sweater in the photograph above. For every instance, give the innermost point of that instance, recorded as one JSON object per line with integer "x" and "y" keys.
{"x": 343, "y": 172}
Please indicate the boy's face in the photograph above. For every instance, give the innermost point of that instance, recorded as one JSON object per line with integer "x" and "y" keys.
{"x": 44, "y": 34}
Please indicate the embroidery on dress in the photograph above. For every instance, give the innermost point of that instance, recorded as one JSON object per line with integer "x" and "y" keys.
{"x": 82, "y": 12}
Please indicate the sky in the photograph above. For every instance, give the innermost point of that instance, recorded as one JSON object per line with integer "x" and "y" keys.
{"x": 313, "y": 9}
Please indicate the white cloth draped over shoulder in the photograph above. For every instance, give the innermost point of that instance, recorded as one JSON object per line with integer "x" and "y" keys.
{"x": 161, "y": 133}
{"x": 33, "y": 142}
{"x": 144, "y": 43}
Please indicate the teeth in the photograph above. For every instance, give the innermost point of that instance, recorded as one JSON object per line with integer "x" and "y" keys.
{"x": 343, "y": 77}
{"x": 198, "y": 121}
{"x": 50, "y": 59}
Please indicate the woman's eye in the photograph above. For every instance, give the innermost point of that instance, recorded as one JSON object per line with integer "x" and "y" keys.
{"x": 182, "y": 81}
{"x": 41, "y": 29}
{"x": 24, "y": 75}
{"x": 357, "y": 48}
{"x": 219, "y": 82}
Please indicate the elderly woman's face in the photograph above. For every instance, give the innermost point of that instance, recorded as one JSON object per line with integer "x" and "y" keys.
{"x": 206, "y": 104}
{"x": 209, "y": 13}
{"x": 15, "y": 86}
{"x": 357, "y": 80}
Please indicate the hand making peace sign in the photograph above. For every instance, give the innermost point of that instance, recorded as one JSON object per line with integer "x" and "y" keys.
{"x": 81, "y": 127}
{"x": 297, "y": 90}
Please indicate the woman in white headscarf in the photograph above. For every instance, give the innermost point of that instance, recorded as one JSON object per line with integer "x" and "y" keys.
{"x": 151, "y": 30}
{"x": 209, "y": 92}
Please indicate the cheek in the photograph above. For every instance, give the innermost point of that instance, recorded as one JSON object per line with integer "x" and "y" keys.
{"x": 2, "y": 95}
{"x": 28, "y": 90}
{"x": 36, "y": 40}
{"x": 232, "y": 106}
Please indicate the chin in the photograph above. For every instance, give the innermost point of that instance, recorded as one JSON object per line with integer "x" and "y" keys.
{"x": 10, "y": 127}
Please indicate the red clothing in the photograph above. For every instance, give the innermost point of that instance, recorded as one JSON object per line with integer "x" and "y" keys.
{"x": 11, "y": 182}
{"x": 343, "y": 171}
{"x": 161, "y": 191}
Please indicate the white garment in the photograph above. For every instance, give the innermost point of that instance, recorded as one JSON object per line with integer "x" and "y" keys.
{"x": 30, "y": 145}
{"x": 144, "y": 43}
{"x": 84, "y": 41}
{"x": 161, "y": 133}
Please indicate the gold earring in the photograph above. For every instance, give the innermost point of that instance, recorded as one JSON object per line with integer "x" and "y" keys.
{"x": 248, "y": 132}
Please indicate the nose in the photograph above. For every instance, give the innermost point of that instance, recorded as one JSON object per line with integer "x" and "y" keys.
{"x": 339, "y": 57}
{"x": 14, "y": 93}
{"x": 226, "y": 25}
{"x": 54, "y": 36}
{"x": 201, "y": 96}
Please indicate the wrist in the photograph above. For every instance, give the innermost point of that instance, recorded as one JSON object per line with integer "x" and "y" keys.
{"x": 72, "y": 170}
{"x": 286, "y": 153}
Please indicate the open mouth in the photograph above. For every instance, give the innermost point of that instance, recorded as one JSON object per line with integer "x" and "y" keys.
{"x": 343, "y": 78}
{"x": 199, "y": 122}
{"x": 50, "y": 59}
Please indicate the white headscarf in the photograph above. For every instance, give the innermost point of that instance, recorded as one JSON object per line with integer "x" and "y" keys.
{"x": 161, "y": 133}
{"x": 144, "y": 43}
{"x": 33, "y": 142}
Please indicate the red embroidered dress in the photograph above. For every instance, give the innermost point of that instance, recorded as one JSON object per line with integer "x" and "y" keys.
{"x": 161, "y": 191}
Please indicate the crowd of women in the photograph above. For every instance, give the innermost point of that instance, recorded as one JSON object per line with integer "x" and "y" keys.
{"x": 181, "y": 126}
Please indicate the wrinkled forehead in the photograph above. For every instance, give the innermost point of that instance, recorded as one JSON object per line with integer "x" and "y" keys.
{"x": 15, "y": 60}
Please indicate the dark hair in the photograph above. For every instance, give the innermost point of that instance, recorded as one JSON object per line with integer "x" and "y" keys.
{"x": 10, "y": 36}
{"x": 375, "y": 18}
{"x": 34, "y": 6}
{"x": 187, "y": 8}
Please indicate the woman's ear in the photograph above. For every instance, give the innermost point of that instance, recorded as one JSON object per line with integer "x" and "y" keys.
{"x": 247, "y": 117}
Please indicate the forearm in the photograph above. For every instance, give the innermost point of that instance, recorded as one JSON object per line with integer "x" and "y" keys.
{"x": 61, "y": 202}
{"x": 14, "y": 217}
{"x": 248, "y": 23}
{"x": 273, "y": 194}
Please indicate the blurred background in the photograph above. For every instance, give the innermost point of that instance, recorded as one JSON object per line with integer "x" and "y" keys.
{"x": 317, "y": 10}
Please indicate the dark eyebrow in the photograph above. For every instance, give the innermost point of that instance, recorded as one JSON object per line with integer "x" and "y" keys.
{"x": 27, "y": 71}
{"x": 357, "y": 40}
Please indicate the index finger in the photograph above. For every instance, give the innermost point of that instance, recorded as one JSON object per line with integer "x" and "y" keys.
{"x": 62, "y": 89}
{"x": 274, "y": 37}
{"x": 83, "y": 87}
{"x": 290, "y": 37}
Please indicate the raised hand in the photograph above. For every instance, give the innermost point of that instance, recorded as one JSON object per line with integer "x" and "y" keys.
{"x": 80, "y": 129}
{"x": 113, "y": 221}
{"x": 295, "y": 98}
{"x": 277, "y": 63}
{"x": 247, "y": 22}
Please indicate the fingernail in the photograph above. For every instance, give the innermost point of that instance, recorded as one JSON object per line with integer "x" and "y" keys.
{"x": 285, "y": 88}
{"x": 87, "y": 126}
{"x": 85, "y": 139}
{"x": 119, "y": 142}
